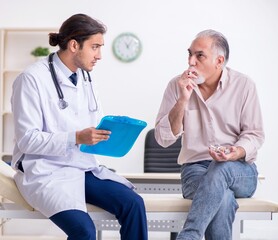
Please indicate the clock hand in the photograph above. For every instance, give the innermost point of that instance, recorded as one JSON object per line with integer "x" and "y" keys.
{"x": 127, "y": 44}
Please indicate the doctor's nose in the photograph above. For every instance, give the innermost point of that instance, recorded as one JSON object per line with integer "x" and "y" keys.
{"x": 98, "y": 55}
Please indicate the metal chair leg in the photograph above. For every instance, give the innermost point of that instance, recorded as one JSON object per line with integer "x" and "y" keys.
{"x": 173, "y": 235}
{"x": 99, "y": 235}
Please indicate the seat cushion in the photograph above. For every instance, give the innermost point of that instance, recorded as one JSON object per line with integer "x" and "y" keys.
{"x": 160, "y": 203}
{"x": 8, "y": 188}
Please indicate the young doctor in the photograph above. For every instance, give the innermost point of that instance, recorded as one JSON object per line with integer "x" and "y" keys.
{"x": 52, "y": 116}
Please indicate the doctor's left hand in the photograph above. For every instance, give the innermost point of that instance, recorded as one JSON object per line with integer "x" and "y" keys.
{"x": 91, "y": 136}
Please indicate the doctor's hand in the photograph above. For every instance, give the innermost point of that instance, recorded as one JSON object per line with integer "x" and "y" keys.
{"x": 186, "y": 84}
{"x": 91, "y": 136}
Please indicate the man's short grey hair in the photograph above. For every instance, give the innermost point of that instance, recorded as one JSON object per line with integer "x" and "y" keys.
{"x": 219, "y": 42}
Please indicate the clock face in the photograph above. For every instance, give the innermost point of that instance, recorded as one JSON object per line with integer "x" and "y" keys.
{"x": 127, "y": 47}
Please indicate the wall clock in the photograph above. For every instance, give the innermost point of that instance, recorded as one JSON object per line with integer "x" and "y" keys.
{"x": 127, "y": 47}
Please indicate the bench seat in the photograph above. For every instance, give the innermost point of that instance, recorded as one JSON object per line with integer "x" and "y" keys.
{"x": 175, "y": 203}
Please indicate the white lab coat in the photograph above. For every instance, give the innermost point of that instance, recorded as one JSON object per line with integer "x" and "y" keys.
{"x": 53, "y": 178}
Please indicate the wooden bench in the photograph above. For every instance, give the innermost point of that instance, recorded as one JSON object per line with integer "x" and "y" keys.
{"x": 165, "y": 212}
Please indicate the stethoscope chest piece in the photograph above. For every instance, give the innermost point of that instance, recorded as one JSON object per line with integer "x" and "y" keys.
{"x": 62, "y": 104}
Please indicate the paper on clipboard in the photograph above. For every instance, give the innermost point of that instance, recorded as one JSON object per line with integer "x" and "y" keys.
{"x": 124, "y": 132}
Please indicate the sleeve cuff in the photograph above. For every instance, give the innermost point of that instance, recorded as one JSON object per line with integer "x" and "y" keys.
{"x": 71, "y": 140}
{"x": 164, "y": 134}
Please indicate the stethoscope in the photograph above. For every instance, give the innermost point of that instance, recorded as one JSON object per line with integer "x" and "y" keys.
{"x": 62, "y": 103}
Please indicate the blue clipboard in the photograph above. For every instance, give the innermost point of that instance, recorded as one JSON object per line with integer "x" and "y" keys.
{"x": 124, "y": 132}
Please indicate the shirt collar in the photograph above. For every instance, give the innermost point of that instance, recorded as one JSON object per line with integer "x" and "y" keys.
{"x": 223, "y": 79}
{"x": 62, "y": 67}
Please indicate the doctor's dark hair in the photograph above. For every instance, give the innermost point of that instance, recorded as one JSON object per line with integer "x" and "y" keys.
{"x": 78, "y": 27}
{"x": 220, "y": 42}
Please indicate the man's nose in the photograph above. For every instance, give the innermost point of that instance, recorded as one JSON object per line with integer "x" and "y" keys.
{"x": 192, "y": 60}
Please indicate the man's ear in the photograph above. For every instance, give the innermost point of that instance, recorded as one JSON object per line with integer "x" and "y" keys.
{"x": 73, "y": 45}
{"x": 220, "y": 61}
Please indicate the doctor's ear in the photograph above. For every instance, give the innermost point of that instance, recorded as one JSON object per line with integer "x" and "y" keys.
{"x": 73, "y": 45}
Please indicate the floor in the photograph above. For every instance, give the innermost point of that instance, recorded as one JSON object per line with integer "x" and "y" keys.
{"x": 253, "y": 230}
{"x": 153, "y": 236}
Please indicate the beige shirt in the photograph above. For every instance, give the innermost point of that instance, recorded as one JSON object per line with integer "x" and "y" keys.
{"x": 231, "y": 116}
